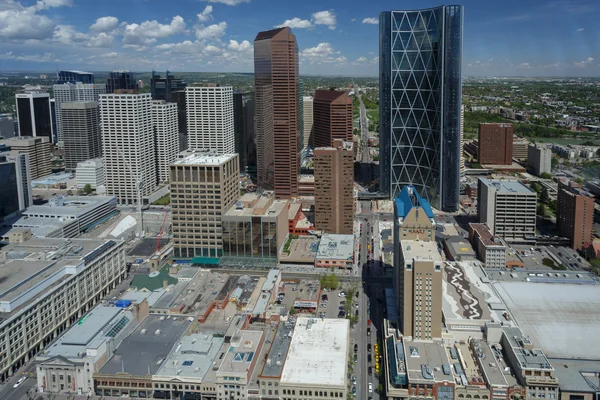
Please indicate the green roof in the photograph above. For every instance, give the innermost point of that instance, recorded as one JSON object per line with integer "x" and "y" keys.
{"x": 153, "y": 281}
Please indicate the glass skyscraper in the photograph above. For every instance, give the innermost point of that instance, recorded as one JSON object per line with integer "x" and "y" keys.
{"x": 74, "y": 77}
{"x": 420, "y": 54}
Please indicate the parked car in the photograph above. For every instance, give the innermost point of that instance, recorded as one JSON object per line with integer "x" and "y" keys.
{"x": 355, "y": 357}
{"x": 19, "y": 382}
{"x": 342, "y": 294}
{"x": 369, "y": 347}
{"x": 370, "y": 370}
{"x": 356, "y": 348}
{"x": 370, "y": 387}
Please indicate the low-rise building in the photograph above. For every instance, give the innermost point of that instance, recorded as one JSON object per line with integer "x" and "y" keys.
{"x": 90, "y": 172}
{"x": 335, "y": 251}
{"x": 520, "y": 150}
{"x": 458, "y": 248}
{"x": 490, "y": 249}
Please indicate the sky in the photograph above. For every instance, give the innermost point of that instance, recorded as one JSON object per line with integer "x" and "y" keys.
{"x": 335, "y": 37}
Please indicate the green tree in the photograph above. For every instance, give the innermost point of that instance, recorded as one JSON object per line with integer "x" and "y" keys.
{"x": 541, "y": 210}
{"x": 554, "y": 162}
{"x": 579, "y": 181}
{"x": 544, "y": 197}
{"x": 545, "y": 175}
{"x": 595, "y": 265}
{"x": 293, "y": 311}
{"x": 87, "y": 189}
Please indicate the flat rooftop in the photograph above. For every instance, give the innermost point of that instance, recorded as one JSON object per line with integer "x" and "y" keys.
{"x": 70, "y": 206}
{"x": 278, "y": 350}
{"x": 465, "y": 297}
{"x": 534, "y": 358}
{"x": 336, "y": 247}
{"x": 243, "y": 349}
{"x": 540, "y": 276}
{"x": 577, "y": 375}
{"x": 192, "y": 357}
{"x": 318, "y": 353}
{"x": 303, "y": 249}
{"x": 486, "y": 236}
{"x": 417, "y": 249}
{"x": 506, "y": 186}
{"x": 561, "y": 318}
{"x": 143, "y": 352}
{"x": 420, "y": 355}
{"x": 202, "y": 158}
{"x": 492, "y": 371}
{"x": 239, "y": 210}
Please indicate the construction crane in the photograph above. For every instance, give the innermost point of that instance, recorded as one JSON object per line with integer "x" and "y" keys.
{"x": 138, "y": 187}
{"x": 161, "y": 231}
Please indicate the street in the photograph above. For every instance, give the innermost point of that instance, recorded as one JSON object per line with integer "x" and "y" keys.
{"x": 365, "y": 158}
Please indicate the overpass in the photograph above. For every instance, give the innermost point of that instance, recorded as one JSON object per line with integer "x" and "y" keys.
{"x": 372, "y": 196}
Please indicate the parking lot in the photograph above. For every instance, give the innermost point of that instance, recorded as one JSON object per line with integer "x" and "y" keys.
{"x": 534, "y": 259}
{"x": 332, "y": 307}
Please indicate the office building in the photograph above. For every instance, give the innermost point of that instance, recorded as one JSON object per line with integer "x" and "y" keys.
{"x": 69, "y": 92}
{"x": 495, "y": 144}
{"x": 413, "y": 217}
{"x": 7, "y": 127}
{"x": 121, "y": 80}
{"x": 74, "y": 77}
{"x": 490, "y": 249}
{"x": 255, "y": 227}
{"x": 128, "y": 145}
{"x": 420, "y": 90}
{"x": 166, "y": 136}
{"x": 520, "y": 148}
{"x": 39, "y": 150}
{"x": 179, "y": 99}
{"x": 307, "y": 114}
{"x": 335, "y": 252}
{"x": 243, "y": 120}
{"x": 53, "y": 120}
{"x": 33, "y": 115}
{"x": 508, "y": 208}
{"x": 90, "y": 172}
{"x": 539, "y": 159}
{"x": 81, "y": 136}
{"x": 203, "y": 187}
{"x": 575, "y": 214}
{"x": 49, "y": 285}
{"x": 210, "y": 118}
{"x": 162, "y": 88}
{"x": 15, "y": 181}
{"x": 332, "y": 117}
{"x": 334, "y": 187}
{"x": 462, "y": 139}
{"x": 277, "y": 131}
{"x": 418, "y": 284}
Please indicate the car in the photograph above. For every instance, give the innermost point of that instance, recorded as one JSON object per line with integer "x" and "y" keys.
{"x": 341, "y": 314}
{"x": 342, "y": 294}
{"x": 368, "y": 322}
{"x": 370, "y": 387}
{"x": 357, "y": 294}
{"x": 370, "y": 370}
{"x": 19, "y": 382}
{"x": 341, "y": 308}
{"x": 356, "y": 305}
{"x": 357, "y": 313}
{"x": 324, "y": 297}
{"x": 368, "y": 331}
{"x": 323, "y": 305}
{"x": 356, "y": 347}
{"x": 354, "y": 390}
{"x": 355, "y": 357}
{"x": 342, "y": 302}
{"x": 354, "y": 379}
{"x": 369, "y": 358}
{"x": 369, "y": 347}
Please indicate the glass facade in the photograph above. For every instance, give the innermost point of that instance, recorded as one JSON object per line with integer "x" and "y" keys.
{"x": 9, "y": 195}
{"x": 420, "y": 102}
{"x": 43, "y": 122}
{"x": 161, "y": 88}
{"x": 121, "y": 80}
{"x": 74, "y": 77}
{"x": 253, "y": 238}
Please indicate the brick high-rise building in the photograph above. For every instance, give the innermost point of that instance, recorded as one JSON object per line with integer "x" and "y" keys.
{"x": 332, "y": 117}
{"x": 277, "y": 125}
{"x": 334, "y": 185}
{"x": 495, "y": 144}
{"x": 575, "y": 215}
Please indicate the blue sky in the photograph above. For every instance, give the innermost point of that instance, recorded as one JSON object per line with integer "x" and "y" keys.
{"x": 335, "y": 37}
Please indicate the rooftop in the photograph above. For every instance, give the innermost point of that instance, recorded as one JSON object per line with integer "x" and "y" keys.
{"x": 202, "y": 158}
{"x": 337, "y": 247}
{"x": 192, "y": 357}
{"x": 506, "y": 186}
{"x": 252, "y": 204}
{"x": 244, "y": 346}
{"x": 460, "y": 247}
{"x": 425, "y": 360}
{"x": 318, "y": 353}
{"x": 465, "y": 296}
{"x": 486, "y": 236}
{"x": 577, "y": 375}
{"x": 417, "y": 249}
{"x": 531, "y": 359}
{"x": 69, "y": 206}
{"x": 52, "y": 179}
{"x": 407, "y": 199}
{"x": 278, "y": 350}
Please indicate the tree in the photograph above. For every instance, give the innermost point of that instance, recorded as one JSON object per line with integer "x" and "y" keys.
{"x": 545, "y": 175}
{"x": 544, "y": 197}
{"x": 87, "y": 189}
{"x": 595, "y": 265}
{"x": 554, "y": 162}
{"x": 541, "y": 210}
{"x": 579, "y": 180}
{"x": 329, "y": 281}
{"x": 293, "y": 311}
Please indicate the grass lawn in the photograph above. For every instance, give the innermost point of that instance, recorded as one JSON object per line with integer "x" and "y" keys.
{"x": 373, "y": 114}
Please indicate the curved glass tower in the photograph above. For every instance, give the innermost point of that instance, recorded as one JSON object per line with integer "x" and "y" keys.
{"x": 420, "y": 55}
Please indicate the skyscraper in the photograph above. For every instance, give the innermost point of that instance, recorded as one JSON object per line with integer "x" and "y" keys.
{"x": 74, "y": 77}
{"x": 495, "y": 144}
{"x": 82, "y": 139}
{"x": 334, "y": 187}
{"x": 128, "y": 145}
{"x": 179, "y": 99}
{"x": 15, "y": 181}
{"x": 243, "y": 120}
{"x": 332, "y": 117}
{"x": 277, "y": 130}
{"x": 210, "y": 118}
{"x": 420, "y": 55}
{"x": 307, "y": 104}
{"x": 575, "y": 214}
{"x": 33, "y": 114}
{"x": 121, "y": 80}
{"x": 68, "y": 92}
{"x": 39, "y": 150}
{"x": 166, "y": 136}
{"x": 162, "y": 88}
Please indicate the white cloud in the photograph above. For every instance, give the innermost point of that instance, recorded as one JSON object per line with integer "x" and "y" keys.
{"x": 360, "y": 60}
{"x": 370, "y": 20}
{"x": 211, "y": 50}
{"x": 104, "y": 24}
{"x": 229, "y": 2}
{"x": 46, "y": 4}
{"x": 185, "y": 47}
{"x": 213, "y": 31}
{"x": 68, "y": 35}
{"x": 46, "y": 57}
{"x": 206, "y": 15}
{"x": 353, "y": 20}
{"x": 325, "y": 18}
{"x": 112, "y": 54}
{"x": 241, "y": 47}
{"x": 18, "y": 23}
{"x": 148, "y": 31}
{"x": 580, "y": 29}
{"x": 584, "y": 62}
{"x": 295, "y": 23}
{"x": 323, "y": 53}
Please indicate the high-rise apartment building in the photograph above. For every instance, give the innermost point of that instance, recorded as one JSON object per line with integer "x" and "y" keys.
{"x": 39, "y": 150}
{"x": 277, "y": 130}
{"x": 33, "y": 114}
{"x": 128, "y": 145}
{"x": 307, "y": 104}
{"x": 508, "y": 208}
{"x": 121, "y": 80}
{"x": 243, "y": 120}
{"x": 204, "y": 186}
{"x": 15, "y": 181}
{"x": 334, "y": 187}
{"x": 575, "y": 214}
{"x": 210, "y": 118}
{"x": 82, "y": 139}
{"x": 539, "y": 159}
{"x": 420, "y": 87}
{"x": 300, "y": 119}
{"x": 332, "y": 117}
{"x": 166, "y": 136}
{"x": 495, "y": 144}
{"x": 418, "y": 286}
{"x": 179, "y": 99}
{"x": 74, "y": 77}
{"x": 162, "y": 88}
{"x": 68, "y": 92}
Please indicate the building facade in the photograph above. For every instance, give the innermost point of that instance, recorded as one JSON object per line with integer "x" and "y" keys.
{"x": 575, "y": 215}
{"x": 495, "y": 144}
{"x": 490, "y": 249}
{"x": 166, "y": 136}
{"x": 539, "y": 159}
{"x": 90, "y": 172}
{"x": 334, "y": 187}
{"x": 307, "y": 115}
{"x": 413, "y": 217}
{"x": 508, "y": 208}
{"x": 121, "y": 80}
{"x": 81, "y": 136}
{"x": 520, "y": 148}
{"x": 162, "y": 88}
{"x": 39, "y": 150}
{"x": 420, "y": 103}
{"x": 15, "y": 181}
{"x": 34, "y": 115}
{"x": 332, "y": 117}
{"x": 74, "y": 77}
{"x": 128, "y": 145}
{"x": 203, "y": 187}
{"x": 210, "y": 118}
{"x": 277, "y": 126}
{"x": 69, "y": 92}
{"x": 243, "y": 119}
{"x": 178, "y": 98}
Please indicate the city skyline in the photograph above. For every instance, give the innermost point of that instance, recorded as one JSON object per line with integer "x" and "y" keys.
{"x": 554, "y": 38}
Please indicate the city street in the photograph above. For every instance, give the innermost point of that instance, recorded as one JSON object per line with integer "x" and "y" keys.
{"x": 365, "y": 159}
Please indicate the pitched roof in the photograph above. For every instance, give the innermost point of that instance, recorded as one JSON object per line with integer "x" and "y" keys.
{"x": 269, "y": 34}
{"x": 331, "y": 96}
{"x": 404, "y": 203}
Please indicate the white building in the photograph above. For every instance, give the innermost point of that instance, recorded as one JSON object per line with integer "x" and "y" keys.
{"x": 90, "y": 172}
{"x": 210, "y": 118}
{"x": 308, "y": 120}
{"x": 128, "y": 145}
{"x": 508, "y": 208}
{"x": 69, "y": 92}
{"x": 48, "y": 285}
{"x": 539, "y": 159}
{"x": 166, "y": 126}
